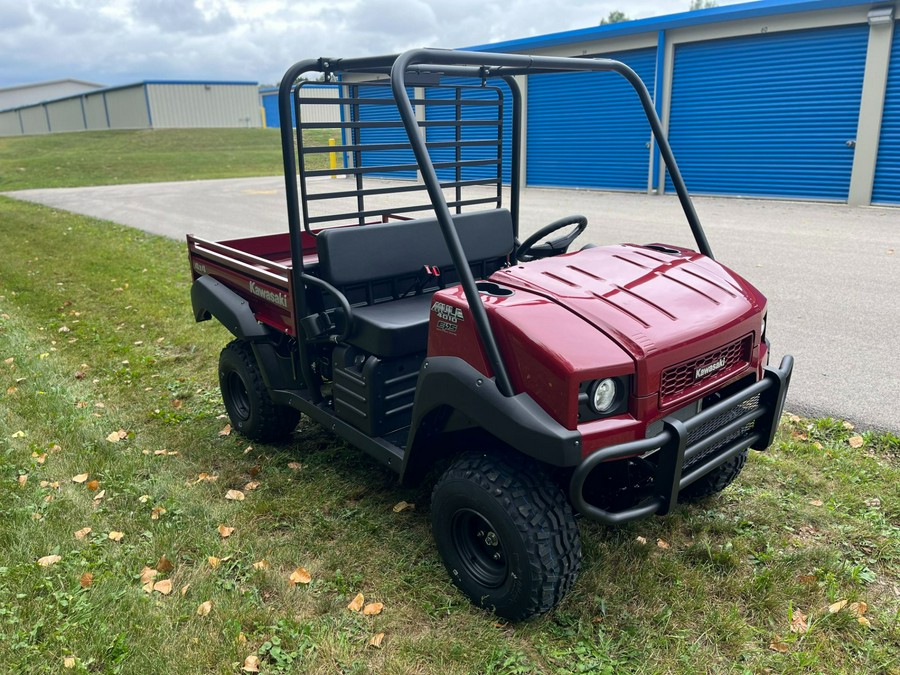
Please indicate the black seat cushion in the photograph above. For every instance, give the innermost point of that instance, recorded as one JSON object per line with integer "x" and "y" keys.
{"x": 394, "y": 328}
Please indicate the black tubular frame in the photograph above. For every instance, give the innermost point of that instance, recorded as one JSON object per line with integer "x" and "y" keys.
{"x": 404, "y": 70}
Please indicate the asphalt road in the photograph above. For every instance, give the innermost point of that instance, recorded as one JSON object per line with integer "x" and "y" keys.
{"x": 831, "y": 272}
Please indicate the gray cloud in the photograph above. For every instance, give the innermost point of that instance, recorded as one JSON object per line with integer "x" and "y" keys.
{"x": 120, "y": 41}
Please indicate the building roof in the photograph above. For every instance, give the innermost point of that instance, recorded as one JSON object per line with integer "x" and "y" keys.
{"x": 47, "y": 83}
{"x": 745, "y": 10}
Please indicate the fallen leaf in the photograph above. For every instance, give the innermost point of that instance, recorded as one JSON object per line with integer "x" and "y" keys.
{"x": 156, "y": 512}
{"x": 226, "y": 430}
{"x": 147, "y": 588}
{"x": 213, "y": 561}
{"x": 807, "y": 579}
{"x": 874, "y": 502}
{"x": 864, "y": 621}
{"x": 116, "y": 536}
{"x": 69, "y": 662}
{"x": 87, "y": 579}
{"x": 204, "y": 608}
{"x": 251, "y": 664}
{"x": 48, "y": 560}
{"x": 164, "y": 587}
{"x": 816, "y": 502}
{"x": 235, "y": 495}
{"x": 376, "y": 640}
{"x": 296, "y": 466}
{"x": 848, "y": 426}
{"x": 40, "y": 459}
{"x": 300, "y": 576}
{"x": 225, "y": 531}
{"x": 184, "y": 589}
{"x": 100, "y": 495}
{"x": 80, "y": 478}
{"x": 641, "y": 540}
{"x": 357, "y": 603}
{"x": 261, "y": 564}
{"x": 373, "y": 609}
{"x": 402, "y": 506}
{"x": 858, "y": 608}
{"x": 247, "y": 450}
{"x": 836, "y": 607}
{"x": 143, "y": 499}
{"x": 799, "y": 622}
{"x": 163, "y": 565}
{"x": 252, "y": 485}
{"x": 818, "y": 446}
{"x": 177, "y": 403}
{"x": 12, "y": 390}
{"x": 662, "y": 543}
{"x": 93, "y": 485}
{"x": 855, "y": 441}
{"x": 82, "y": 533}
{"x": 114, "y": 437}
{"x": 148, "y": 574}
{"x": 241, "y": 639}
{"x": 22, "y": 479}
{"x": 79, "y": 375}
{"x": 779, "y": 647}
{"x": 19, "y": 434}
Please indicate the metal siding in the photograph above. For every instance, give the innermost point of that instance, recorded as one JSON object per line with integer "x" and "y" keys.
{"x": 9, "y": 123}
{"x": 769, "y": 114}
{"x": 203, "y": 105}
{"x": 95, "y": 112}
{"x": 886, "y": 189}
{"x": 34, "y": 120}
{"x": 443, "y": 112}
{"x": 66, "y": 115}
{"x": 311, "y": 112}
{"x": 588, "y": 129}
{"x": 127, "y": 108}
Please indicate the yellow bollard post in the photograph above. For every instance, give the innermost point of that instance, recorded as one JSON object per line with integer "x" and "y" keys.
{"x": 332, "y": 159}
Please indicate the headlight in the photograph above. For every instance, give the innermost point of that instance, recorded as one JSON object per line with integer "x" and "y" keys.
{"x": 603, "y": 395}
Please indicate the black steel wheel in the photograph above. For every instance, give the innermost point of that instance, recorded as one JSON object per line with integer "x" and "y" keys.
{"x": 247, "y": 401}
{"x": 506, "y": 534}
{"x": 715, "y": 481}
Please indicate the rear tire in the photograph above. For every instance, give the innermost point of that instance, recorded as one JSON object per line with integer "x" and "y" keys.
{"x": 247, "y": 400}
{"x": 715, "y": 481}
{"x": 506, "y": 534}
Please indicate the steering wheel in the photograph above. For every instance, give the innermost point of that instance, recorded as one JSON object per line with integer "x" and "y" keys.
{"x": 527, "y": 251}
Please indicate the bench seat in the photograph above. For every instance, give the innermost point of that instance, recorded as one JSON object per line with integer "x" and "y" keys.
{"x": 364, "y": 262}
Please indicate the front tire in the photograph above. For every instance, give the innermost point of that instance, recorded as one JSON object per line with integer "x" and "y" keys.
{"x": 506, "y": 534}
{"x": 247, "y": 400}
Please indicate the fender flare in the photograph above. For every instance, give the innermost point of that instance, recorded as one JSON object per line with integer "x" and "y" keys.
{"x": 449, "y": 384}
{"x": 211, "y": 298}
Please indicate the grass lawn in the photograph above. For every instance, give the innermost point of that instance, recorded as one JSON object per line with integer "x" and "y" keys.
{"x": 104, "y": 373}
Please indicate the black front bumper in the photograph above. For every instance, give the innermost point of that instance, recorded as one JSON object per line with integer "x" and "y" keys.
{"x": 679, "y": 445}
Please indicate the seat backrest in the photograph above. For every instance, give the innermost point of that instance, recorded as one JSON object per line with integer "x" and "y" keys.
{"x": 399, "y": 250}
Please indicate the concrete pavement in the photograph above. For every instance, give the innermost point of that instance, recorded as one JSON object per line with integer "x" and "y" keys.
{"x": 831, "y": 272}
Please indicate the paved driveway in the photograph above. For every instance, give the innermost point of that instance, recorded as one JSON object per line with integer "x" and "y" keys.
{"x": 831, "y": 272}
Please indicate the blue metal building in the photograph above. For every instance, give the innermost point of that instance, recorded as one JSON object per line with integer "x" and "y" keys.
{"x": 775, "y": 98}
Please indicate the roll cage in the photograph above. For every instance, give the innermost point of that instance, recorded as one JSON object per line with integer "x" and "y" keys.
{"x": 426, "y": 67}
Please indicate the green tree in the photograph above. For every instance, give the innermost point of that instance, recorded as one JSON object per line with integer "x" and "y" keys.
{"x": 615, "y": 17}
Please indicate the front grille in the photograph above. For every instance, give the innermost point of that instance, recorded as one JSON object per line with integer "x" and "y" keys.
{"x": 716, "y": 423}
{"x": 683, "y": 379}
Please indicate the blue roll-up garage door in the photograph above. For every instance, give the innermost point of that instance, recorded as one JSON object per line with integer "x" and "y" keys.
{"x": 769, "y": 114}
{"x": 887, "y": 173}
{"x": 588, "y": 129}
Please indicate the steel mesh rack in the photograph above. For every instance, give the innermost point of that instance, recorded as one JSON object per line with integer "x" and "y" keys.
{"x": 463, "y": 127}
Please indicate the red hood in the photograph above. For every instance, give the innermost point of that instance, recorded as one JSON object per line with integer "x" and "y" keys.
{"x": 662, "y": 308}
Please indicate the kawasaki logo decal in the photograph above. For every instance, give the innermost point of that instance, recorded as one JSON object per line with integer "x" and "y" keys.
{"x": 265, "y": 294}
{"x": 711, "y": 368}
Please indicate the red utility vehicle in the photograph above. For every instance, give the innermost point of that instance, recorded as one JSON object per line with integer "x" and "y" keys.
{"x": 405, "y": 316}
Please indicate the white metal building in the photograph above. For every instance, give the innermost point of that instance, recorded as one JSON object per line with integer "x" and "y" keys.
{"x": 153, "y": 104}
{"x": 26, "y": 94}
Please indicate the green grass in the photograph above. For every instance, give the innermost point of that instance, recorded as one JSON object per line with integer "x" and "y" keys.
{"x": 96, "y": 335}
{"x": 118, "y": 157}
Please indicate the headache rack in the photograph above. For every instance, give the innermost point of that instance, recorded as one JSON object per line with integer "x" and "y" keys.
{"x": 463, "y": 125}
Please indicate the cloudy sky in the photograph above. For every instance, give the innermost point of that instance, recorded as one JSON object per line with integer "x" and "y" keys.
{"x": 123, "y": 41}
